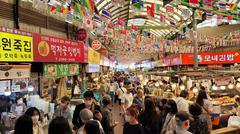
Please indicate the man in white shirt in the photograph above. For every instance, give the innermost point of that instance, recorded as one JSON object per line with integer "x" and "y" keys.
{"x": 182, "y": 102}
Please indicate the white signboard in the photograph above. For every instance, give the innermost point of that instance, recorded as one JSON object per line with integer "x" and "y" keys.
{"x": 15, "y": 71}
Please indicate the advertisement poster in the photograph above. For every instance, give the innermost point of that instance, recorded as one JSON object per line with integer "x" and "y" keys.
{"x": 60, "y": 70}
{"x": 4, "y": 85}
{"x": 15, "y": 45}
{"x": 19, "y": 85}
{"x": 53, "y": 49}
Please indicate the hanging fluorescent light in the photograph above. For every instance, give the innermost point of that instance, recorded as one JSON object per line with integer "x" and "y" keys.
{"x": 157, "y": 84}
{"x": 7, "y": 92}
{"x": 30, "y": 88}
{"x": 222, "y": 87}
{"x": 182, "y": 87}
{"x": 230, "y": 86}
{"x": 195, "y": 89}
{"x": 214, "y": 87}
{"x": 238, "y": 85}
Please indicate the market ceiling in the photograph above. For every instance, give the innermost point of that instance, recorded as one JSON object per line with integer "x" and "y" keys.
{"x": 176, "y": 14}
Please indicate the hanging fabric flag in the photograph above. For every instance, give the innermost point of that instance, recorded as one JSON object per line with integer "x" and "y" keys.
{"x": 198, "y": 14}
{"x": 193, "y": 2}
{"x": 106, "y": 14}
{"x": 134, "y": 27}
{"x": 186, "y": 12}
{"x": 158, "y": 6}
{"x": 172, "y": 23}
{"x": 58, "y": 8}
{"x": 53, "y": 9}
{"x": 88, "y": 22}
{"x": 136, "y": 4}
{"x": 222, "y": 6}
{"x": 233, "y": 7}
{"x": 150, "y": 10}
{"x": 208, "y": 4}
{"x": 69, "y": 18}
{"x": 89, "y": 5}
{"x": 229, "y": 18}
{"x": 121, "y": 22}
{"x": 97, "y": 20}
{"x": 162, "y": 18}
{"x": 209, "y": 16}
{"x": 169, "y": 9}
{"x": 219, "y": 17}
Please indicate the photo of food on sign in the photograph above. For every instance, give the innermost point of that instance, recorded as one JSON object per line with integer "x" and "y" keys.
{"x": 51, "y": 70}
{"x": 96, "y": 45}
{"x": 73, "y": 69}
{"x": 43, "y": 48}
{"x": 19, "y": 84}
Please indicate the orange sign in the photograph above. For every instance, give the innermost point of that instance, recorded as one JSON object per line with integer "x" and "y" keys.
{"x": 96, "y": 45}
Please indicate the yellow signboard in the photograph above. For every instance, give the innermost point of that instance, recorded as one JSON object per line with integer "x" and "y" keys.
{"x": 14, "y": 47}
{"x": 93, "y": 56}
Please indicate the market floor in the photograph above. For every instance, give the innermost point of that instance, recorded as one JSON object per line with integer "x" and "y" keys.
{"x": 119, "y": 128}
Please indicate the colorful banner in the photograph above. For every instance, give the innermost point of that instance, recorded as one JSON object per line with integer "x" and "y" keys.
{"x": 53, "y": 49}
{"x": 15, "y": 45}
{"x": 54, "y": 70}
{"x": 210, "y": 58}
{"x": 93, "y": 56}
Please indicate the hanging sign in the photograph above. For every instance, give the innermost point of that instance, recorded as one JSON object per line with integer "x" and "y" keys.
{"x": 92, "y": 68}
{"x": 15, "y": 45}
{"x": 52, "y": 70}
{"x": 96, "y": 45}
{"x": 93, "y": 57}
{"x": 81, "y": 34}
{"x": 15, "y": 71}
{"x": 52, "y": 49}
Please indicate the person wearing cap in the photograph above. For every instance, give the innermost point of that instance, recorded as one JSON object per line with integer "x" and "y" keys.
{"x": 182, "y": 102}
{"x": 108, "y": 122}
{"x": 64, "y": 109}
{"x": 89, "y": 104}
{"x": 182, "y": 123}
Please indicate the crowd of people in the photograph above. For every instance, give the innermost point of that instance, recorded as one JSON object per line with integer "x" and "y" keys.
{"x": 141, "y": 113}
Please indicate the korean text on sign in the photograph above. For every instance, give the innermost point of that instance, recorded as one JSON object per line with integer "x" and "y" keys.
{"x": 15, "y": 47}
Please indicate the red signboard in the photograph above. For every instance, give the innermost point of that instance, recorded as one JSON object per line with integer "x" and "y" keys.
{"x": 211, "y": 58}
{"x": 81, "y": 34}
{"x": 53, "y": 49}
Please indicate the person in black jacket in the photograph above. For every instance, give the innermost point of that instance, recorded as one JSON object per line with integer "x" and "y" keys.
{"x": 88, "y": 103}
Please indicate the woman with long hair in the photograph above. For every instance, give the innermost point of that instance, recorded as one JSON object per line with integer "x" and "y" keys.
{"x": 170, "y": 122}
{"x": 34, "y": 113}
{"x": 150, "y": 118}
{"x": 206, "y": 105}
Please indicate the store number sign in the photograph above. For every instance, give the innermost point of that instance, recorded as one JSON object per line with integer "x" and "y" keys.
{"x": 15, "y": 45}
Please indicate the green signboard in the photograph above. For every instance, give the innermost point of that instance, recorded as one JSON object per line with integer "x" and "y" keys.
{"x": 54, "y": 70}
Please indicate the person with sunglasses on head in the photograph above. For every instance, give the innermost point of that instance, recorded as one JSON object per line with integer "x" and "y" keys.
{"x": 89, "y": 104}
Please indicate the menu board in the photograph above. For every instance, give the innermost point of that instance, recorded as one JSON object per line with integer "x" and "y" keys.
{"x": 52, "y": 70}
